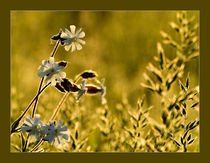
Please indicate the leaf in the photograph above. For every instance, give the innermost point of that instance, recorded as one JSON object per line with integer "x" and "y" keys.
{"x": 185, "y": 134}
{"x": 182, "y": 87}
{"x": 183, "y": 111}
{"x": 191, "y": 125}
{"x": 190, "y": 142}
{"x": 194, "y": 105}
{"x": 187, "y": 127}
{"x": 76, "y": 135}
{"x": 177, "y": 107}
{"x": 176, "y": 143}
{"x": 161, "y": 55}
{"x": 189, "y": 137}
{"x": 187, "y": 82}
{"x": 184, "y": 105}
{"x": 182, "y": 141}
{"x": 164, "y": 116}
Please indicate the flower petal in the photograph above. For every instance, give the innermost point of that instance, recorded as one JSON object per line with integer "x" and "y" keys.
{"x": 78, "y": 46}
{"x": 72, "y": 28}
{"x": 65, "y": 136}
{"x": 44, "y": 62}
{"x": 82, "y": 35}
{"x": 62, "y": 74}
{"x": 78, "y": 31}
{"x": 25, "y": 128}
{"x": 51, "y": 60}
{"x": 41, "y": 74}
{"x": 73, "y": 48}
{"x": 81, "y": 41}
{"x": 67, "y": 47}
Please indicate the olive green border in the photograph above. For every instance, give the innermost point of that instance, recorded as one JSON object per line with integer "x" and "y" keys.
{"x": 102, "y": 5}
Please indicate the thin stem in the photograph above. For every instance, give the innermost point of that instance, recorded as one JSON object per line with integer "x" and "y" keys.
{"x": 37, "y": 146}
{"x": 26, "y": 143}
{"x": 40, "y": 86}
{"x": 56, "y": 47}
{"x": 36, "y": 100}
{"x": 59, "y": 106}
{"x": 26, "y": 110}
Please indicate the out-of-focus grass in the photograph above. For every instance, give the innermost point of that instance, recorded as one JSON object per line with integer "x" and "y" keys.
{"x": 119, "y": 45}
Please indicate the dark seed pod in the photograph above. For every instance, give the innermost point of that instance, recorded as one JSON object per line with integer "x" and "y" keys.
{"x": 59, "y": 87}
{"x": 57, "y": 37}
{"x": 62, "y": 63}
{"x": 88, "y": 74}
{"x": 66, "y": 84}
{"x": 74, "y": 88}
{"x": 92, "y": 89}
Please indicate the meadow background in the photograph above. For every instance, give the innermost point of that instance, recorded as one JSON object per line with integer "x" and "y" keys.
{"x": 119, "y": 45}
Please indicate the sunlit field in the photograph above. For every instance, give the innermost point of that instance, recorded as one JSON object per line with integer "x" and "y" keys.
{"x": 111, "y": 81}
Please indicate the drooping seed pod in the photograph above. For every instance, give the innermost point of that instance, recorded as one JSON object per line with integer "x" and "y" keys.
{"x": 66, "y": 84}
{"x": 62, "y": 63}
{"x": 74, "y": 88}
{"x": 88, "y": 74}
{"x": 57, "y": 37}
{"x": 91, "y": 89}
{"x": 58, "y": 86}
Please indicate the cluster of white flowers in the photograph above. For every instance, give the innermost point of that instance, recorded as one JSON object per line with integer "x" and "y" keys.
{"x": 50, "y": 133}
{"x": 70, "y": 39}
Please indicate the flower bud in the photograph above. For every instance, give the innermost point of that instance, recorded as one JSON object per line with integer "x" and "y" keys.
{"x": 88, "y": 74}
{"x": 62, "y": 63}
{"x": 91, "y": 89}
{"x": 66, "y": 84}
{"x": 59, "y": 87}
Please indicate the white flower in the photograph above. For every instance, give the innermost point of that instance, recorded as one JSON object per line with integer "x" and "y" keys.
{"x": 56, "y": 134}
{"x": 33, "y": 126}
{"x": 103, "y": 92}
{"x": 50, "y": 69}
{"x": 73, "y": 39}
{"x": 82, "y": 90}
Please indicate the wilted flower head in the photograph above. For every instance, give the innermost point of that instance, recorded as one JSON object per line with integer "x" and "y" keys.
{"x": 56, "y": 133}
{"x": 50, "y": 69}
{"x": 82, "y": 90}
{"x": 72, "y": 39}
{"x": 33, "y": 126}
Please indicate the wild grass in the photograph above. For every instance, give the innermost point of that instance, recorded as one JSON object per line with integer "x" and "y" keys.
{"x": 109, "y": 103}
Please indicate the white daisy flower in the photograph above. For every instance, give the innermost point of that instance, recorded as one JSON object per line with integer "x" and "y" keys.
{"x": 82, "y": 90}
{"x": 72, "y": 38}
{"x": 56, "y": 134}
{"x": 33, "y": 126}
{"x": 50, "y": 69}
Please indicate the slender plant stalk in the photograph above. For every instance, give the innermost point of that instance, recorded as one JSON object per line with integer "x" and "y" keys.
{"x": 59, "y": 106}
{"x": 36, "y": 100}
{"x": 40, "y": 86}
{"x": 56, "y": 47}
{"x": 26, "y": 110}
{"x": 37, "y": 146}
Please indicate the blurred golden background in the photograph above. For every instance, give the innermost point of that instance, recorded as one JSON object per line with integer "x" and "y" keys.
{"x": 119, "y": 45}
